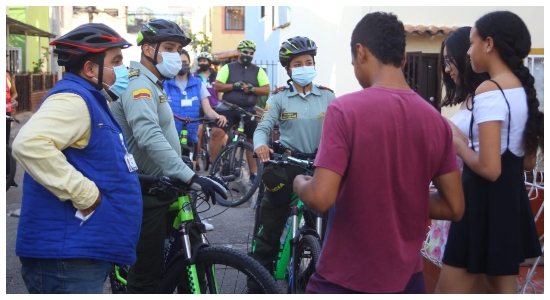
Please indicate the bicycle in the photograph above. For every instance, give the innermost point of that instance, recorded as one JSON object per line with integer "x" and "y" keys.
{"x": 194, "y": 266}
{"x": 300, "y": 246}
{"x": 231, "y": 161}
{"x": 11, "y": 164}
{"x": 203, "y": 152}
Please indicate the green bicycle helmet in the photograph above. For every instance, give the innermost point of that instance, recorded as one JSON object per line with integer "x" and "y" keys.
{"x": 246, "y": 44}
{"x": 295, "y": 46}
{"x": 160, "y": 30}
{"x": 206, "y": 55}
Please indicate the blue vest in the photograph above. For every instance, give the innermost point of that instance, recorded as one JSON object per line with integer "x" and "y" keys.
{"x": 48, "y": 227}
{"x": 193, "y": 93}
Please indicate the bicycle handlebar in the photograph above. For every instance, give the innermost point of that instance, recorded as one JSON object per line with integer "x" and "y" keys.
{"x": 281, "y": 159}
{"x": 236, "y": 107}
{"x": 12, "y": 119}
{"x": 172, "y": 183}
{"x": 189, "y": 120}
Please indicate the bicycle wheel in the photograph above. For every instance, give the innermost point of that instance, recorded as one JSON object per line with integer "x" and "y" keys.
{"x": 307, "y": 255}
{"x": 232, "y": 161}
{"x": 204, "y": 159}
{"x": 219, "y": 267}
{"x": 11, "y": 167}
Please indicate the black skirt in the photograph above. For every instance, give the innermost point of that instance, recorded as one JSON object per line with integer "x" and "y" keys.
{"x": 497, "y": 231}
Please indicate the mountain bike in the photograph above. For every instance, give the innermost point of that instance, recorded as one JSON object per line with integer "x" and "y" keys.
{"x": 203, "y": 151}
{"x": 232, "y": 161}
{"x": 11, "y": 164}
{"x": 300, "y": 246}
{"x": 191, "y": 265}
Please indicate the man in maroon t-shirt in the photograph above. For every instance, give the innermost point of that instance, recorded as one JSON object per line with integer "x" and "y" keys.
{"x": 379, "y": 150}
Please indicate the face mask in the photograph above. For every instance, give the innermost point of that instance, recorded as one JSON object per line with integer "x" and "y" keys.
{"x": 245, "y": 59}
{"x": 204, "y": 67}
{"x": 303, "y": 75}
{"x": 184, "y": 69}
{"x": 121, "y": 82}
{"x": 170, "y": 65}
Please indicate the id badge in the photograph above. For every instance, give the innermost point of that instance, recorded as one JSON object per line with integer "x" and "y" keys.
{"x": 186, "y": 102}
{"x": 130, "y": 162}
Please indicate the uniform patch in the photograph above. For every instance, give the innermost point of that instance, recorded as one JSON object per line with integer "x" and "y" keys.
{"x": 321, "y": 116}
{"x": 162, "y": 99}
{"x": 143, "y": 93}
{"x": 133, "y": 72}
{"x": 289, "y": 115}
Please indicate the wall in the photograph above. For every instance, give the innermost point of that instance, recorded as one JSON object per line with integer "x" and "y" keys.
{"x": 223, "y": 40}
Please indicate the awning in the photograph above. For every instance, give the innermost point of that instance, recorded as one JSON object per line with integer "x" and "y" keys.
{"x": 17, "y": 27}
{"x": 430, "y": 30}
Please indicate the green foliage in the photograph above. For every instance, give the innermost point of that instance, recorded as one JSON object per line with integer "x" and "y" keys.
{"x": 199, "y": 41}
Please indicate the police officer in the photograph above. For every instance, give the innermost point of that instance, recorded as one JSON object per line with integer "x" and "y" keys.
{"x": 148, "y": 124}
{"x": 300, "y": 109}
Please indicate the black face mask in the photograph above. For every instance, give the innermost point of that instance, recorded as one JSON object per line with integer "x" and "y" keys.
{"x": 245, "y": 59}
{"x": 204, "y": 67}
{"x": 184, "y": 69}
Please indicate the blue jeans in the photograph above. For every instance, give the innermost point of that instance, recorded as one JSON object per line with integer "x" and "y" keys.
{"x": 64, "y": 276}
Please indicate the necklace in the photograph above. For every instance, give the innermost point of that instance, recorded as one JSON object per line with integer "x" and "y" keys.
{"x": 380, "y": 83}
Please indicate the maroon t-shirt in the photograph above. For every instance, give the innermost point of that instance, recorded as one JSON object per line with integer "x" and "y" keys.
{"x": 387, "y": 144}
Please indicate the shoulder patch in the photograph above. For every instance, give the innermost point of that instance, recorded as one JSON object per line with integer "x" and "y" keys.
{"x": 133, "y": 73}
{"x": 324, "y": 88}
{"x": 142, "y": 93}
{"x": 281, "y": 88}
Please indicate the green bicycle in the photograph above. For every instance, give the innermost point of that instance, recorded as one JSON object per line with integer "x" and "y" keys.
{"x": 300, "y": 246}
{"x": 191, "y": 265}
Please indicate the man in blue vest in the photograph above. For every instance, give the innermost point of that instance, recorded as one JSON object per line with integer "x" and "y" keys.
{"x": 81, "y": 208}
{"x": 241, "y": 82}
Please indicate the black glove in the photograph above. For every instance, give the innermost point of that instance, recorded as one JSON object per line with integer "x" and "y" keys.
{"x": 250, "y": 88}
{"x": 238, "y": 86}
{"x": 209, "y": 187}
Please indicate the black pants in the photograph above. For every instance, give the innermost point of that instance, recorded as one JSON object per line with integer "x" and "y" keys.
{"x": 271, "y": 222}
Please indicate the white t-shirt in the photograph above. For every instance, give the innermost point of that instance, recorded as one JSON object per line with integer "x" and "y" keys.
{"x": 491, "y": 106}
{"x": 462, "y": 120}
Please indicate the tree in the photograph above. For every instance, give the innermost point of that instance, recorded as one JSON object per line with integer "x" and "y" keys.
{"x": 200, "y": 44}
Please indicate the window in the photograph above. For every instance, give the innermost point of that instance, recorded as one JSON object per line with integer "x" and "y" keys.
{"x": 234, "y": 18}
{"x": 535, "y": 63}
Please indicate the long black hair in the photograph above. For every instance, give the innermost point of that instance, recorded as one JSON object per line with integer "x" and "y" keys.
{"x": 457, "y": 44}
{"x": 513, "y": 41}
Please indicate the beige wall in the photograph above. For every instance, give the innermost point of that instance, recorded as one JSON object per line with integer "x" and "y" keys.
{"x": 223, "y": 40}
{"x": 331, "y": 27}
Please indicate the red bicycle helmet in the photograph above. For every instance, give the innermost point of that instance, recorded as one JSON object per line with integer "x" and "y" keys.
{"x": 87, "y": 38}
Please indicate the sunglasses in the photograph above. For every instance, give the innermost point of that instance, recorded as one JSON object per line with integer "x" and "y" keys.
{"x": 247, "y": 52}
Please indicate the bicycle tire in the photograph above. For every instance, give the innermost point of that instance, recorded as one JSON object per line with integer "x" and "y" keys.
{"x": 229, "y": 265}
{"x": 307, "y": 255}
{"x": 205, "y": 154}
{"x": 11, "y": 168}
{"x": 240, "y": 185}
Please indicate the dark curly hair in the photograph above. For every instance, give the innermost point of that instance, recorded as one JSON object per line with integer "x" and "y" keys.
{"x": 457, "y": 44}
{"x": 383, "y": 34}
{"x": 513, "y": 41}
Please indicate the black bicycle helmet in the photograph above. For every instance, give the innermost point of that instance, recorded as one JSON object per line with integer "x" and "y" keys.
{"x": 295, "y": 46}
{"x": 160, "y": 30}
{"x": 87, "y": 38}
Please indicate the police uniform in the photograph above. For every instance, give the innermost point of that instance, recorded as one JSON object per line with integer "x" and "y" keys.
{"x": 300, "y": 123}
{"x": 149, "y": 127}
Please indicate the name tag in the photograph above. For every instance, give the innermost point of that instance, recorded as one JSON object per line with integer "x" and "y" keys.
{"x": 186, "y": 102}
{"x": 130, "y": 162}
{"x": 289, "y": 115}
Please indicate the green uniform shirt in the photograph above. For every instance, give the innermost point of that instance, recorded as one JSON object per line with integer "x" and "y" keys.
{"x": 148, "y": 125}
{"x": 300, "y": 119}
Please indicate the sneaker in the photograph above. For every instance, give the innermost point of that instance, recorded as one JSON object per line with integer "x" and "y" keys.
{"x": 208, "y": 226}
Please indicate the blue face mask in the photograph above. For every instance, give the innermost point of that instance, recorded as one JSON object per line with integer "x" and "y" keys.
{"x": 303, "y": 75}
{"x": 170, "y": 65}
{"x": 121, "y": 82}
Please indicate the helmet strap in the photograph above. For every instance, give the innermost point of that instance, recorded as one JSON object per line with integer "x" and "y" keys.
{"x": 99, "y": 85}
{"x": 154, "y": 59}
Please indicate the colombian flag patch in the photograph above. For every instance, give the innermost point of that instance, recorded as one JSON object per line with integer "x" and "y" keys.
{"x": 143, "y": 93}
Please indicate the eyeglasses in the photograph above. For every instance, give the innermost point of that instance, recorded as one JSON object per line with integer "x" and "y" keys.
{"x": 448, "y": 64}
{"x": 247, "y": 52}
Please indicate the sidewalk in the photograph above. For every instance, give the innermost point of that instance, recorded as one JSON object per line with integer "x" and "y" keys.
{"x": 23, "y": 117}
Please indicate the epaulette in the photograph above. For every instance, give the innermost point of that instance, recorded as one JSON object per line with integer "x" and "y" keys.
{"x": 133, "y": 73}
{"x": 324, "y": 88}
{"x": 282, "y": 88}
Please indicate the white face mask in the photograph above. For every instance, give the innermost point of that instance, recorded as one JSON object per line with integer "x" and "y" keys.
{"x": 170, "y": 65}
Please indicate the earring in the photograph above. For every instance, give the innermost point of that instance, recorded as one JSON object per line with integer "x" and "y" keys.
{"x": 487, "y": 51}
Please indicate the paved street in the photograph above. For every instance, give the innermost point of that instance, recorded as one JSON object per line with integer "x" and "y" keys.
{"x": 232, "y": 226}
